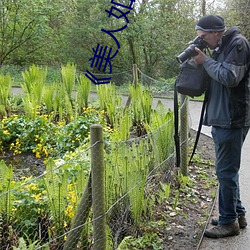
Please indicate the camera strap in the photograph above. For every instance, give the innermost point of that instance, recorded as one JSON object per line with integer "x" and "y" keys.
{"x": 199, "y": 127}
{"x": 176, "y": 126}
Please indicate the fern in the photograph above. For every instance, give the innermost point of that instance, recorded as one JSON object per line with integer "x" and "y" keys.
{"x": 5, "y": 90}
{"x": 48, "y": 98}
{"x": 83, "y": 92}
{"x": 33, "y": 86}
{"x": 68, "y": 74}
{"x": 110, "y": 102}
{"x": 56, "y": 184}
{"x": 6, "y": 184}
{"x": 161, "y": 126}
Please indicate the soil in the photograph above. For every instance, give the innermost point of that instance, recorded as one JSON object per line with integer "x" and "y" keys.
{"x": 186, "y": 223}
{"x": 178, "y": 220}
{"x": 25, "y": 164}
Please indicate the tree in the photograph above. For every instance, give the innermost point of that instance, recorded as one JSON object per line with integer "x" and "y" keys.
{"x": 61, "y": 31}
{"x": 237, "y": 12}
{"x": 21, "y": 21}
{"x": 83, "y": 30}
{"x": 158, "y": 32}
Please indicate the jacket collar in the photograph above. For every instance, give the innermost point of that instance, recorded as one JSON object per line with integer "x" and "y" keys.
{"x": 231, "y": 32}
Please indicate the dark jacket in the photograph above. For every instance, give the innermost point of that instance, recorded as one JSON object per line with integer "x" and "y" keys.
{"x": 228, "y": 103}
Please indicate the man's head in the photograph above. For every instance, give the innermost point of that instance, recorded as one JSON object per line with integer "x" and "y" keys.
{"x": 211, "y": 28}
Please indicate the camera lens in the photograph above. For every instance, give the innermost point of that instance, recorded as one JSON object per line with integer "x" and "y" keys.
{"x": 187, "y": 53}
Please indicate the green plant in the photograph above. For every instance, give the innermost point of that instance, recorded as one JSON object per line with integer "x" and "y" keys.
{"x": 161, "y": 128}
{"x": 123, "y": 124}
{"x": 23, "y": 134}
{"x": 176, "y": 199}
{"x": 110, "y": 102}
{"x": 43, "y": 137}
{"x": 141, "y": 103}
{"x": 6, "y": 196}
{"x": 48, "y": 98}
{"x": 28, "y": 244}
{"x": 147, "y": 241}
{"x": 105, "y": 92}
{"x": 83, "y": 91}
{"x": 164, "y": 191}
{"x": 68, "y": 74}
{"x": 30, "y": 208}
{"x": 34, "y": 81}
{"x": 146, "y": 101}
{"x": 184, "y": 181}
{"x": 6, "y": 204}
{"x": 5, "y": 90}
{"x": 126, "y": 172}
{"x": 56, "y": 187}
{"x": 23, "y": 246}
{"x": 59, "y": 102}
{"x": 15, "y": 71}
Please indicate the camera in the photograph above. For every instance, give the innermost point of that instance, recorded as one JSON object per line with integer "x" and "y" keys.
{"x": 190, "y": 51}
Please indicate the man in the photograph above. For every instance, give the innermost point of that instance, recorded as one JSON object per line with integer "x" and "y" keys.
{"x": 228, "y": 112}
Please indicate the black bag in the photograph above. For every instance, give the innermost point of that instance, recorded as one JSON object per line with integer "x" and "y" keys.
{"x": 192, "y": 80}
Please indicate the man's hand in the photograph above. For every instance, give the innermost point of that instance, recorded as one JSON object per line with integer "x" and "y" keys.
{"x": 200, "y": 58}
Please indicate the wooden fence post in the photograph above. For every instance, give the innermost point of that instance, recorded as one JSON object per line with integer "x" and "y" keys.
{"x": 184, "y": 135}
{"x": 98, "y": 195}
{"x": 135, "y": 74}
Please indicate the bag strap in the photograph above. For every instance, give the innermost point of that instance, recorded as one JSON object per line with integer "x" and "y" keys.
{"x": 199, "y": 127}
{"x": 176, "y": 126}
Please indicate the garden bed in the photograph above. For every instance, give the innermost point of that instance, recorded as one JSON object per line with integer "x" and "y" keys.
{"x": 178, "y": 222}
{"x": 186, "y": 224}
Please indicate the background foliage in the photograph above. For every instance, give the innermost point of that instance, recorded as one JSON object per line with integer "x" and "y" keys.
{"x": 55, "y": 32}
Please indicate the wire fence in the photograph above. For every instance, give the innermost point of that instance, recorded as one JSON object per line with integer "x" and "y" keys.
{"x": 44, "y": 208}
{"x": 159, "y": 87}
{"x": 56, "y": 210}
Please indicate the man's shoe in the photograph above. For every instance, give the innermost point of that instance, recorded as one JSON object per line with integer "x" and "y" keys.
{"x": 241, "y": 219}
{"x": 221, "y": 231}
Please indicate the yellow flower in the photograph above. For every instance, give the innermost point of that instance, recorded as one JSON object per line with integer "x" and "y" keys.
{"x": 31, "y": 187}
{"x": 14, "y": 209}
{"x": 17, "y": 152}
{"x": 45, "y": 151}
{"x": 38, "y": 156}
{"x": 69, "y": 211}
{"x": 37, "y": 196}
{"x": 73, "y": 199}
{"x": 6, "y": 132}
{"x": 102, "y": 112}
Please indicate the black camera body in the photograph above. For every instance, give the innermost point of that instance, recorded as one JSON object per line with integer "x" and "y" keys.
{"x": 190, "y": 51}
